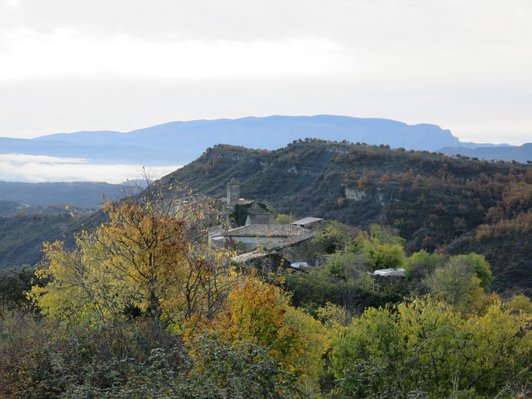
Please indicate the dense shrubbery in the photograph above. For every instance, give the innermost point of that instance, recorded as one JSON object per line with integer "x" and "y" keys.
{"x": 41, "y": 359}
{"x": 345, "y": 280}
{"x": 423, "y": 348}
{"x": 143, "y": 308}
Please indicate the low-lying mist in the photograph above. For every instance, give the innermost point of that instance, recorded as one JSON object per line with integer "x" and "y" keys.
{"x": 42, "y": 168}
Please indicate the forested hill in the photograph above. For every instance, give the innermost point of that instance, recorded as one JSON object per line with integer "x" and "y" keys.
{"x": 436, "y": 201}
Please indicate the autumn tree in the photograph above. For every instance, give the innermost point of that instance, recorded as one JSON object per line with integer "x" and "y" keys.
{"x": 259, "y": 313}
{"x": 151, "y": 257}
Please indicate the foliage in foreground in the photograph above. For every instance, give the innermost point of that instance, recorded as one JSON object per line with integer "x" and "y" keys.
{"x": 40, "y": 359}
{"x": 429, "y": 349}
{"x": 143, "y": 308}
{"x": 149, "y": 259}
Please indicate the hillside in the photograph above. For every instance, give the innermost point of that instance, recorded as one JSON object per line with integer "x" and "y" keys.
{"x": 32, "y": 213}
{"x": 23, "y": 234}
{"x": 437, "y": 202}
{"x": 84, "y": 194}
{"x": 21, "y": 237}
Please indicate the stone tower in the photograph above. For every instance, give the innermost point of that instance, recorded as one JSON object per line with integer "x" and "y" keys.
{"x": 233, "y": 191}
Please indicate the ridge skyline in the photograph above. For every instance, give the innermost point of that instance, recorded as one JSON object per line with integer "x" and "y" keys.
{"x": 55, "y": 132}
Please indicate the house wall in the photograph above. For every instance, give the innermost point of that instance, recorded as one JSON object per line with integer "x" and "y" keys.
{"x": 304, "y": 251}
{"x": 259, "y": 219}
{"x": 269, "y": 263}
{"x": 233, "y": 191}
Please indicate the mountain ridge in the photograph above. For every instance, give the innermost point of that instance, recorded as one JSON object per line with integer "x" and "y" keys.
{"x": 180, "y": 142}
{"x": 501, "y": 152}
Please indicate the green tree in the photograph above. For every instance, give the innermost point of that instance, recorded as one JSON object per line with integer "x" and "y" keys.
{"x": 385, "y": 235}
{"x": 383, "y": 247}
{"x": 334, "y": 236}
{"x": 421, "y": 264}
{"x": 455, "y": 285}
{"x": 425, "y": 348}
{"x": 462, "y": 281}
{"x": 384, "y": 256}
{"x": 478, "y": 264}
{"x": 14, "y": 283}
{"x": 283, "y": 218}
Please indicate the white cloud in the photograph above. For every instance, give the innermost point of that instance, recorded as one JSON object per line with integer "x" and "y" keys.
{"x": 124, "y": 64}
{"x": 65, "y": 53}
{"x": 39, "y": 168}
{"x": 11, "y": 3}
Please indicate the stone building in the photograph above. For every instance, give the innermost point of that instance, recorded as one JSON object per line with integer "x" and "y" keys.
{"x": 233, "y": 192}
{"x": 258, "y": 215}
{"x": 262, "y": 236}
{"x": 249, "y": 228}
{"x": 230, "y": 203}
{"x": 309, "y": 222}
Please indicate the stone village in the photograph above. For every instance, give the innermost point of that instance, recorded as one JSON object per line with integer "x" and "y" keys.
{"x": 248, "y": 226}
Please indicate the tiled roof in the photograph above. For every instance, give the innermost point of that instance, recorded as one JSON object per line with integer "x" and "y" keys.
{"x": 307, "y": 220}
{"x": 266, "y": 230}
{"x": 248, "y": 256}
{"x": 297, "y": 239}
{"x": 390, "y": 272}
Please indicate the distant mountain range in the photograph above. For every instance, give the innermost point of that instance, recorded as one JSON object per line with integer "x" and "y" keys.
{"x": 505, "y": 153}
{"x": 181, "y": 142}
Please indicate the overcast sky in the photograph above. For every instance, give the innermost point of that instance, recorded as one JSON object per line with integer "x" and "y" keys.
{"x": 67, "y": 65}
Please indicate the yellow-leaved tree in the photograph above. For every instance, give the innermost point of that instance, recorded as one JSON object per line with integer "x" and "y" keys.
{"x": 260, "y": 313}
{"x": 151, "y": 258}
